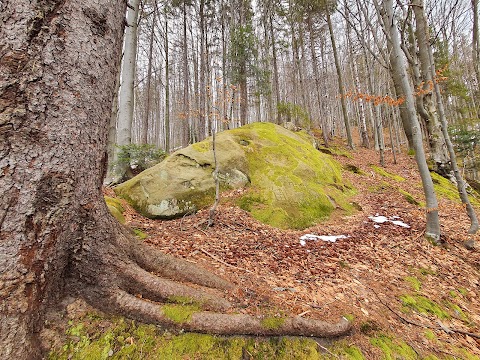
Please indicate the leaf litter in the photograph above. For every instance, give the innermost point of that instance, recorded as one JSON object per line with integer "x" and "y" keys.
{"x": 356, "y": 273}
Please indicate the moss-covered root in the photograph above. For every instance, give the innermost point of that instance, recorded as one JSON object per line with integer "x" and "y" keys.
{"x": 225, "y": 324}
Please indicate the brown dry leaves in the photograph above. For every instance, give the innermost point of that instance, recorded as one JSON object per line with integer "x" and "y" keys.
{"x": 276, "y": 274}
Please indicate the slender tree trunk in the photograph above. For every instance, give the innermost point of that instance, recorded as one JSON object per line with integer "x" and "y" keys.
{"x": 363, "y": 119}
{"x": 275, "y": 66}
{"x": 167, "y": 89}
{"x": 147, "y": 121}
{"x": 476, "y": 44}
{"x": 340, "y": 83}
{"x": 404, "y": 115}
{"x": 435, "y": 136}
{"x": 398, "y": 66}
{"x": 461, "y": 184}
{"x": 127, "y": 99}
{"x": 323, "y": 120}
{"x": 187, "y": 126}
{"x": 203, "y": 70}
{"x": 112, "y": 136}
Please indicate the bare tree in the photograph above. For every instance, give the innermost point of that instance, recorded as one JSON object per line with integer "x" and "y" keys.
{"x": 398, "y": 67}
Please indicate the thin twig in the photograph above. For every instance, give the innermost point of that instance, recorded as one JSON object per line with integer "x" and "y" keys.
{"x": 223, "y": 262}
{"x": 303, "y": 313}
{"x": 328, "y": 351}
{"x": 315, "y": 306}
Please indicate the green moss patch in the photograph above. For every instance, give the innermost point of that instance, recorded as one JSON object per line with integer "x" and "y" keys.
{"x": 335, "y": 150}
{"x": 427, "y": 271}
{"x": 414, "y": 283}
{"x": 385, "y": 173}
{"x": 116, "y": 214}
{"x": 445, "y": 188}
{"x": 393, "y": 349}
{"x": 116, "y": 209}
{"x": 354, "y": 169}
{"x": 140, "y": 234}
{"x": 409, "y": 197}
{"x": 293, "y": 185}
{"x": 423, "y": 305}
{"x": 115, "y": 203}
{"x": 430, "y": 335}
{"x": 180, "y": 313}
{"x": 272, "y": 323}
{"x": 123, "y": 339}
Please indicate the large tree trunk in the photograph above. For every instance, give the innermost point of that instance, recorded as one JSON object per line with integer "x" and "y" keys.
{"x": 58, "y": 63}
{"x": 57, "y": 82}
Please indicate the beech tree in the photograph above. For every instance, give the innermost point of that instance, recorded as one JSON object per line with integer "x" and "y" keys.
{"x": 397, "y": 62}
{"x": 58, "y": 67}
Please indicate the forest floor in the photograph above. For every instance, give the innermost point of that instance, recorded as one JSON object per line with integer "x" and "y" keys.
{"x": 401, "y": 291}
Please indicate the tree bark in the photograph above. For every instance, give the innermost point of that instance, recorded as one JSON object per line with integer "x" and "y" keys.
{"x": 57, "y": 82}
{"x": 167, "y": 90}
{"x": 275, "y": 65}
{"x": 126, "y": 100}
{"x": 340, "y": 83}
{"x": 202, "y": 78}
{"x": 438, "y": 147}
{"x": 58, "y": 64}
{"x": 398, "y": 67}
{"x": 323, "y": 120}
{"x": 147, "y": 122}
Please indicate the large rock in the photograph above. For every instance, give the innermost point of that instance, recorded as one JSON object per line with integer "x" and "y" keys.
{"x": 290, "y": 183}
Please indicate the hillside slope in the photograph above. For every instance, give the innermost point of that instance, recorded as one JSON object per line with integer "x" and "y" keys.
{"x": 408, "y": 299}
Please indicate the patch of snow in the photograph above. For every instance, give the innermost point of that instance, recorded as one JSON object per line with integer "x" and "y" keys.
{"x": 326, "y": 238}
{"x": 380, "y": 219}
{"x": 400, "y": 223}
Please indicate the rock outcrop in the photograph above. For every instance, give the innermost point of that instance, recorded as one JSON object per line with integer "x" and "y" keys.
{"x": 290, "y": 183}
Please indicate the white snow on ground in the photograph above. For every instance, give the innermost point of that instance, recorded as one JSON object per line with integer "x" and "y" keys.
{"x": 379, "y": 219}
{"x": 326, "y": 238}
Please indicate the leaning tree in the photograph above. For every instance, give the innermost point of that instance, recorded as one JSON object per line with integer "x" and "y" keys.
{"x": 58, "y": 64}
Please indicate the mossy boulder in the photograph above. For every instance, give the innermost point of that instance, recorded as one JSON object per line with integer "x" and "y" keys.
{"x": 290, "y": 183}
{"x": 115, "y": 207}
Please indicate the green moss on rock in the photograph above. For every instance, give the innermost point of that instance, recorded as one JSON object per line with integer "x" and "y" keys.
{"x": 290, "y": 179}
{"x": 409, "y": 197}
{"x": 446, "y": 189}
{"x": 116, "y": 209}
{"x": 291, "y": 184}
{"x": 116, "y": 214}
{"x": 115, "y": 203}
{"x": 140, "y": 234}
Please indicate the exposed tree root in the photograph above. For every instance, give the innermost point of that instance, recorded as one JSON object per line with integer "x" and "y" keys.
{"x": 228, "y": 324}
{"x": 119, "y": 274}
